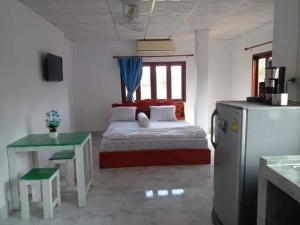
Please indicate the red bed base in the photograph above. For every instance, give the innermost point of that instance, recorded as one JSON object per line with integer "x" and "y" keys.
{"x": 154, "y": 158}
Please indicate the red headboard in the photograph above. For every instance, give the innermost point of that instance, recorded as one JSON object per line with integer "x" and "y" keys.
{"x": 144, "y": 106}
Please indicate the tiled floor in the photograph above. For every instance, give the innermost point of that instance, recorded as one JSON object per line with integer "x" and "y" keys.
{"x": 177, "y": 195}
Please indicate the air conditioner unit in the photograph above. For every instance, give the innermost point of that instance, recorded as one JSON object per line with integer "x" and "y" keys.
{"x": 155, "y": 45}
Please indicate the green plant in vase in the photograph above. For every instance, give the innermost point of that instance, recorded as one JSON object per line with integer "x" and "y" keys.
{"x": 53, "y": 122}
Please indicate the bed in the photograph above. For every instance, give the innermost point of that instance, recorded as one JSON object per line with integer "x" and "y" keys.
{"x": 126, "y": 144}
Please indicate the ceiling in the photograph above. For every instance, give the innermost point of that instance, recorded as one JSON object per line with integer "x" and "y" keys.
{"x": 95, "y": 20}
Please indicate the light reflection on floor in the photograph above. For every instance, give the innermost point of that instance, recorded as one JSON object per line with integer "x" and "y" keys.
{"x": 162, "y": 193}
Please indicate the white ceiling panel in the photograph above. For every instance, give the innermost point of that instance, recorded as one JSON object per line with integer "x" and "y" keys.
{"x": 94, "y": 18}
{"x": 45, "y": 6}
{"x": 187, "y": 36}
{"x": 215, "y": 8}
{"x": 116, "y": 6}
{"x": 173, "y": 7}
{"x": 228, "y": 25}
{"x": 72, "y": 6}
{"x": 251, "y": 26}
{"x": 68, "y": 24}
{"x": 159, "y": 19}
{"x": 201, "y": 22}
{"x": 63, "y": 21}
{"x": 126, "y": 34}
{"x": 105, "y": 19}
{"x": 110, "y": 29}
{"x": 94, "y": 6}
{"x": 164, "y": 31}
{"x": 101, "y": 35}
{"x": 139, "y": 19}
{"x": 218, "y": 34}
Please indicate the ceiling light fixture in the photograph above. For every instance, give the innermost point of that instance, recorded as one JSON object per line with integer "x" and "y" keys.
{"x": 130, "y": 11}
{"x": 130, "y": 8}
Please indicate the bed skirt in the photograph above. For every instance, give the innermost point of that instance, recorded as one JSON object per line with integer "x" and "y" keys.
{"x": 154, "y": 158}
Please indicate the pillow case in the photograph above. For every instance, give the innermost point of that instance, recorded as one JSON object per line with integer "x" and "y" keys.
{"x": 143, "y": 119}
{"x": 163, "y": 113}
{"x": 123, "y": 114}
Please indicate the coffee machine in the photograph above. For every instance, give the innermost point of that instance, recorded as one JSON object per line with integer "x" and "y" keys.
{"x": 274, "y": 83}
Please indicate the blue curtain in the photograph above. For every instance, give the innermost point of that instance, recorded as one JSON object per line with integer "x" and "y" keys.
{"x": 131, "y": 73}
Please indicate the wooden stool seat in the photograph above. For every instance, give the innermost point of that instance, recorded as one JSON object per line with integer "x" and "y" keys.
{"x": 63, "y": 155}
{"x": 40, "y": 174}
{"x": 41, "y": 177}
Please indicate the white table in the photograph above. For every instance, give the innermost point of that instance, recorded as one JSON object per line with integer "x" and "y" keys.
{"x": 80, "y": 142}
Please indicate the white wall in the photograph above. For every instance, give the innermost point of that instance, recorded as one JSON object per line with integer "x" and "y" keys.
{"x": 242, "y": 60}
{"x": 286, "y": 51}
{"x": 97, "y": 79}
{"x": 24, "y": 96}
{"x": 230, "y": 66}
{"x": 219, "y": 73}
{"x": 201, "y": 59}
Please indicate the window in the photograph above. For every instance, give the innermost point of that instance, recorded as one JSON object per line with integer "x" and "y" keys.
{"x": 176, "y": 80}
{"x": 259, "y": 64}
{"x": 146, "y": 83}
{"x": 161, "y": 80}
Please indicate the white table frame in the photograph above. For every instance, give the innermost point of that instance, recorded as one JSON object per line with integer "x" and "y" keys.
{"x": 80, "y": 150}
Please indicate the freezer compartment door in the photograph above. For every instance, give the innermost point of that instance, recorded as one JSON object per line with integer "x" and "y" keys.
{"x": 227, "y": 169}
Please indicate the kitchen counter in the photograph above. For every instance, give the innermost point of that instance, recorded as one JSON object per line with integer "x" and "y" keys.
{"x": 278, "y": 174}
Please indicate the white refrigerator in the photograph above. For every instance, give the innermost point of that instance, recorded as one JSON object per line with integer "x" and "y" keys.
{"x": 241, "y": 133}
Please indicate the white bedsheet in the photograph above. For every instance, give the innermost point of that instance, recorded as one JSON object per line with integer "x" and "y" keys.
{"x": 154, "y": 133}
{"x": 138, "y": 143}
{"x": 133, "y": 125}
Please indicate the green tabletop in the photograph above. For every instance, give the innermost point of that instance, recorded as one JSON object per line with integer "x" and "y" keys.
{"x": 39, "y": 140}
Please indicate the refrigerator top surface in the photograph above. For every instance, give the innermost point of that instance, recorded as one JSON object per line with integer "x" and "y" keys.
{"x": 256, "y": 105}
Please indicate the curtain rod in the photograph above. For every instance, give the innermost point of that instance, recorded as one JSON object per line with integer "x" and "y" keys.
{"x": 255, "y": 46}
{"x": 152, "y": 56}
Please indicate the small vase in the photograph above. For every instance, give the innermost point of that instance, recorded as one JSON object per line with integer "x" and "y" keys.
{"x": 53, "y": 135}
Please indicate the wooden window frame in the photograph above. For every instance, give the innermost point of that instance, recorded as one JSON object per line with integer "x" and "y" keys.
{"x": 255, "y": 61}
{"x": 152, "y": 66}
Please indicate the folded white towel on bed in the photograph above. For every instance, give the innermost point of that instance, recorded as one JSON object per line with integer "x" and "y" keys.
{"x": 143, "y": 119}
{"x": 173, "y": 132}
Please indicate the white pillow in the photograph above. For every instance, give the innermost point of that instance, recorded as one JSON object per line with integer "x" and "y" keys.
{"x": 123, "y": 114}
{"x": 163, "y": 113}
{"x": 143, "y": 119}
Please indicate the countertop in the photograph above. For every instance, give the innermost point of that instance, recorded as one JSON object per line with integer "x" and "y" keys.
{"x": 284, "y": 172}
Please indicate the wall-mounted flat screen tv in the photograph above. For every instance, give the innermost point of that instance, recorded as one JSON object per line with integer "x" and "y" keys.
{"x": 54, "y": 68}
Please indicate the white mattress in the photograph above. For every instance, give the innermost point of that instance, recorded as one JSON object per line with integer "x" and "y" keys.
{"x": 144, "y": 144}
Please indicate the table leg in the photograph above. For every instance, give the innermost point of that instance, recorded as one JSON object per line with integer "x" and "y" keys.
{"x": 262, "y": 198}
{"x": 87, "y": 162}
{"x": 91, "y": 158}
{"x": 70, "y": 173}
{"x": 35, "y": 159}
{"x": 81, "y": 191}
{"x": 36, "y": 189}
{"x": 13, "y": 178}
{"x": 36, "y": 192}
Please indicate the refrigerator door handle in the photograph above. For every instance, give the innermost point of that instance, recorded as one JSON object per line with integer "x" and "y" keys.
{"x": 212, "y": 128}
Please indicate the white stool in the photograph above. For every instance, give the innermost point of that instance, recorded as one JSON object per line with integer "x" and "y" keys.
{"x": 67, "y": 158}
{"x": 43, "y": 177}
